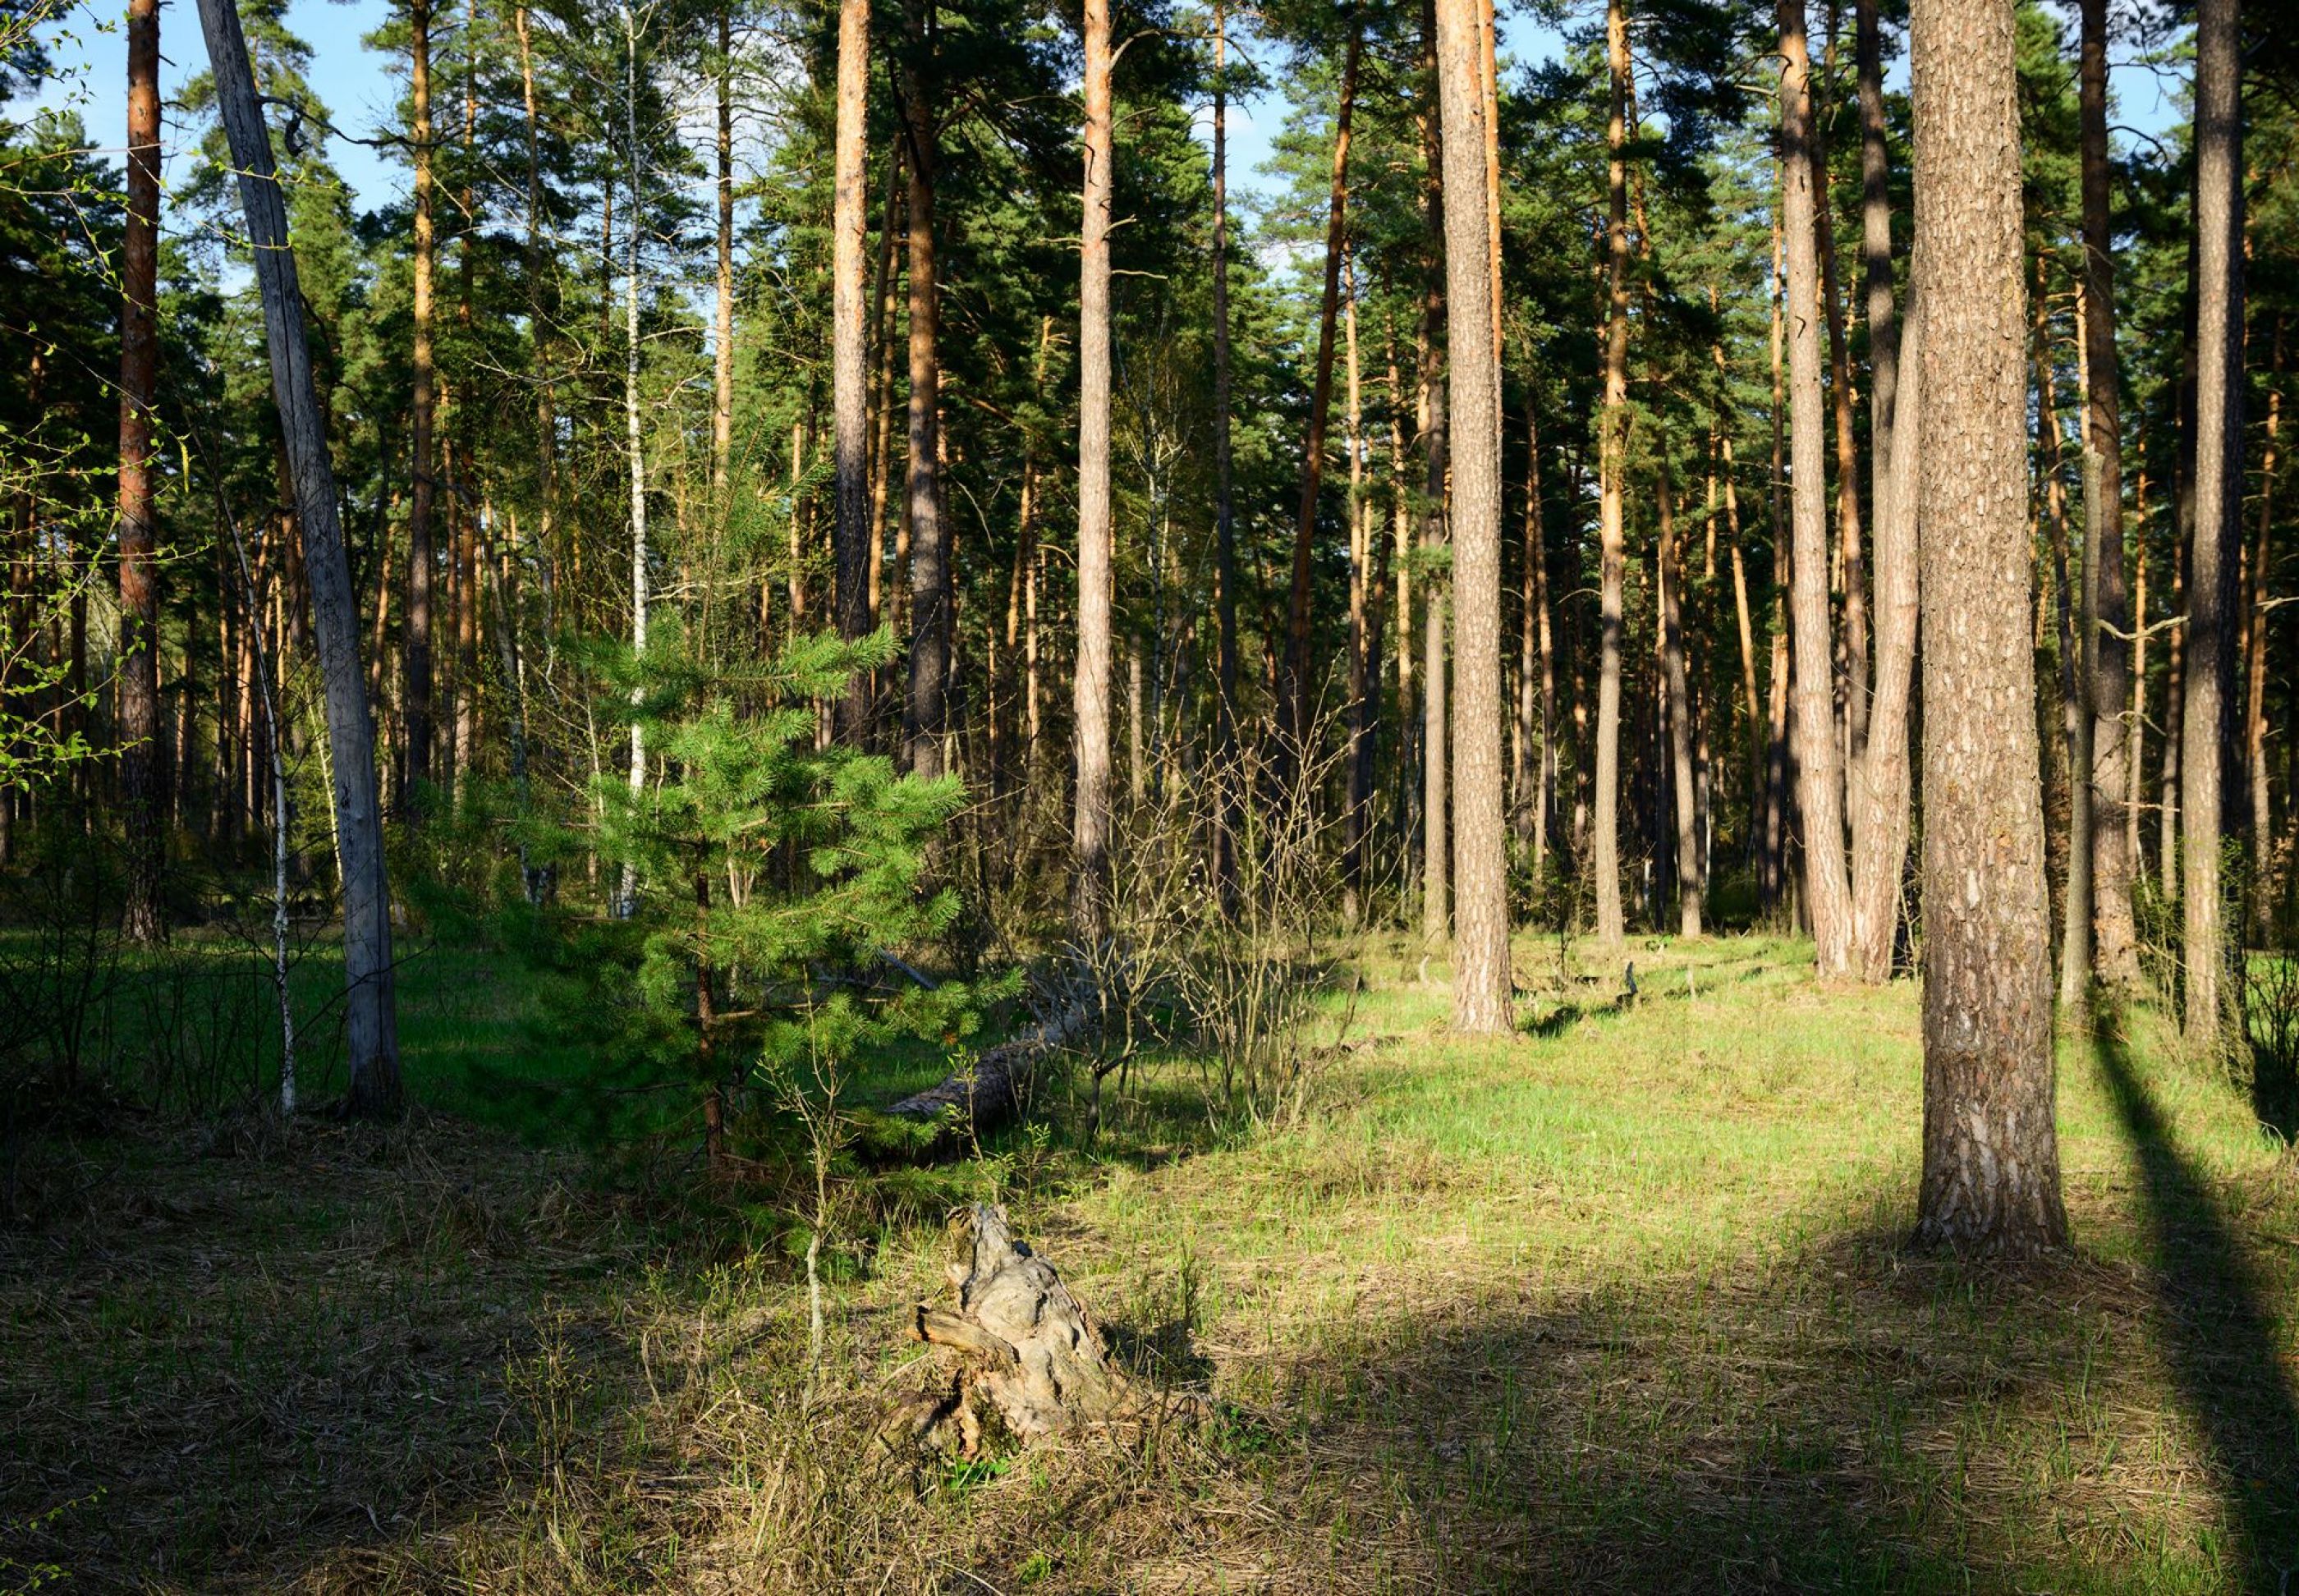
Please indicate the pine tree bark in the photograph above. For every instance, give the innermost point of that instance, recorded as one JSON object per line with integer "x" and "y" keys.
{"x": 1880, "y": 789}
{"x": 1881, "y": 784}
{"x": 1678, "y": 679}
{"x": 1611, "y": 529}
{"x": 1435, "y": 339}
{"x": 2255, "y": 642}
{"x": 1294, "y": 712}
{"x": 415, "y": 640}
{"x": 1482, "y": 982}
{"x": 849, "y": 347}
{"x": 1090, "y": 824}
{"x": 2217, "y": 499}
{"x": 1991, "y": 1179}
{"x": 142, "y": 764}
{"x": 370, "y": 1030}
{"x": 1818, "y": 752}
{"x": 924, "y": 714}
{"x": 2107, "y": 611}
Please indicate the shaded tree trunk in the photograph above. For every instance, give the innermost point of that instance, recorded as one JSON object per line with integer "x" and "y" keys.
{"x": 1879, "y": 795}
{"x": 1231, "y": 797}
{"x": 370, "y": 1028}
{"x": 2107, "y": 611}
{"x": 2217, "y": 497}
{"x": 1294, "y": 712}
{"x": 1991, "y": 1179}
{"x": 925, "y": 716}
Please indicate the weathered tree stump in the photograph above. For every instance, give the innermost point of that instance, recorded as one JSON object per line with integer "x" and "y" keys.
{"x": 1020, "y": 1342}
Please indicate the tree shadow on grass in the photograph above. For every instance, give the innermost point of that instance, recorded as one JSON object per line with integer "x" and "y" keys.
{"x": 2222, "y": 1341}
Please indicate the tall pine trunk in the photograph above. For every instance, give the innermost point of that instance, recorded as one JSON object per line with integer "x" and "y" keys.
{"x": 1677, "y": 679}
{"x": 1089, "y": 825}
{"x": 924, "y": 714}
{"x": 1481, "y": 983}
{"x": 1818, "y": 752}
{"x": 1991, "y": 1179}
{"x": 1879, "y": 795}
{"x": 2217, "y": 499}
{"x": 1611, "y": 530}
{"x": 2107, "y": 612}
{"x": 415, "y": 641}
{"x": 850, "y": 377}
{"x": 142, "y": 765}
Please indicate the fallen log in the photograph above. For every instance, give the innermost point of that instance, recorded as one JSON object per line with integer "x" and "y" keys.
{"x": 1019, "y": 1341}
{"x": 989, "y": 1091}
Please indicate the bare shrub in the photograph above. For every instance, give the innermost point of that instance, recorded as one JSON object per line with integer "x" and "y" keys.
{"x": 1232, "y": 970}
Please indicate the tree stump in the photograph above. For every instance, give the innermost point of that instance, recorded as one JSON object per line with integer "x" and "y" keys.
{"x": 1019, "y": 1339}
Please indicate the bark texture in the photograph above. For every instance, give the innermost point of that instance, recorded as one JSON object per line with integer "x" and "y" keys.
{"x": 371, "y": 1026}
{"x": 1819, "y": 752}
{"x": 2108, "y": 619}
{"x": 1612, "y": 534}
{"x": 1991, "y": 1176}
{"x": 1090, "y": 824}
{"x": 142, "y": 770}
{"x": 415, "y": 639}
{"x": 930, "y": 590}
{"x": 2213, "y": 560}
{"x": 1481, "y": 983}
{"x": 850, "y": 357}
{"x": 1020, "y": 1346}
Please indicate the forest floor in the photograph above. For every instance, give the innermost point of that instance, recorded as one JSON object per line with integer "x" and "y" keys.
{"x": 1621, "y": 1303}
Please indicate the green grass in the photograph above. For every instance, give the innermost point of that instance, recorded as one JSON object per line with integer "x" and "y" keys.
{"x": 1619, "y": 1303}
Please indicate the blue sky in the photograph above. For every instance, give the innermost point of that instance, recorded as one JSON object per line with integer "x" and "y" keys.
{"x": 362, "y": 87}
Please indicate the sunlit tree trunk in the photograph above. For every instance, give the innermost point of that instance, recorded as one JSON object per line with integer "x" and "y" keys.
{"x": 1612, "y": 528}
{"x": 1677, "y": 679}
{"x": 1482, "y": 982}
{"x": 1991, "y": 1176}
{"x": 2254, "y": 718}
{"x": 1435, "y": 341}
{"x": 2219, "y": 497}
{"x": 142, "y": 767}
{"x": 850, "y": 346}
{"x": 415, "y": 640}
{"x": 1819, "y": 754}
{"x": 1090, "y": 826}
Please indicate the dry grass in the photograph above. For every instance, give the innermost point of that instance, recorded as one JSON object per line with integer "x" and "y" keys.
{"x": 1620, "y": 1306}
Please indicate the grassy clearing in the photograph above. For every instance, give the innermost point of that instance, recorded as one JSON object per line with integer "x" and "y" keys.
{"x": 1618, "y": 1304}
